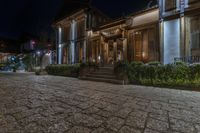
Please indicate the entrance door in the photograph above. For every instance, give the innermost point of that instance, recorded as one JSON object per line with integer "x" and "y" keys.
{"x": 110, "y": 59}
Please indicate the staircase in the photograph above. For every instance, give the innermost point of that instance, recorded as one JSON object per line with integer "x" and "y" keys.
{"x": 103, "y": 74}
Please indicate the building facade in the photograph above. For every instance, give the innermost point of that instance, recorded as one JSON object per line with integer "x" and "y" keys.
{"x": 162, "y": 33}
{"x": 72, "y": 35}
{"x": 180, "y": 30}
{"x": 8, "y": 48}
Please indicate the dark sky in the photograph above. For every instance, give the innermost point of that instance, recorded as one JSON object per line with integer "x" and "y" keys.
{"x": 32, "y": 16}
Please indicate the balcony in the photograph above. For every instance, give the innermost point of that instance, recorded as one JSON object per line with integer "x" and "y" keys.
{"x": 170, "y": 5}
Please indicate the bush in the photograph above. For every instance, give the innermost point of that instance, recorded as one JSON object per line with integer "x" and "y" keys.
{"x": 121, "y": 68}
{"x": 154, "y": 63}
{"x": 37, "y": 72}
{"x": 63, "y": 70}
{"x": 135, "y": 71}
{"x": 154, "y": 73}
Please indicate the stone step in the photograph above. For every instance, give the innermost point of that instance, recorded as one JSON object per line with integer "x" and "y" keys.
{"x": 107, "y": 65}
{"x": 103, "y": 73}
{"x": 114, "y": 81}
{"x": 106, "y": 68}
{"x": 101, "y": 76}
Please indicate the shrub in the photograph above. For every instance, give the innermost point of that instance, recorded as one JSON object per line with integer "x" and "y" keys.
{"x": 194, "y": 72}
{"x": 154, "y": 73}
{"x": 37, "y": 72}
{"x": 63, "y": 70}
{"x": 181, "y": 71}
{"x": 121, "y": 67}
{"x": 135, "y": 71}
{"x": 154, "y": 63}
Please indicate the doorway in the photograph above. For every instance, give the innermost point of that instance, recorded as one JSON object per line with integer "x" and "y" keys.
{"x": 110, "y": 58}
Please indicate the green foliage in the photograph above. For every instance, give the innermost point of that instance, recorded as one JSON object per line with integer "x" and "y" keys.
{"x": 2, "y": 65}
{"x": 121, "y": 68}
{"x": 37, "y": 72}
{"x": 28, "y": 62}
{"x": 135, "y": 71}
{"x": 154, "y": 63}
{"x": 63, "y": 70}
{"x": 154, "y": 73}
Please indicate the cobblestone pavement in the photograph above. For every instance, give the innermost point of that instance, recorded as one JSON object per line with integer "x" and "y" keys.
{"x": 37, "y": 104}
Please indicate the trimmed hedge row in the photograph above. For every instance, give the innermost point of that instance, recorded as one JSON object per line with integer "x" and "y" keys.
{"x": 64, "y": 70}
{"x": 154, "y": 73}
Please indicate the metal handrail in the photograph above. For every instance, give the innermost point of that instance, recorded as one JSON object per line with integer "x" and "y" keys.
{"x": 188, "y": 59}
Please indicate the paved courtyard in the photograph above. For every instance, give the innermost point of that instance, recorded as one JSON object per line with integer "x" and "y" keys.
{"x": 38, "y": 104}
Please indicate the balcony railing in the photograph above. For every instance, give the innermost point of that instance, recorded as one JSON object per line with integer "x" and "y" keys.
{"x": 188, "y": 59}
{"x": 170, "y": 5}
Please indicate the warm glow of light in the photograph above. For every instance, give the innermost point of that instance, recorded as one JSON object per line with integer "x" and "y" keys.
{"x": 143, "y": 54}
{"x": 99, "y": 57}
{"x": 90, "y": 33}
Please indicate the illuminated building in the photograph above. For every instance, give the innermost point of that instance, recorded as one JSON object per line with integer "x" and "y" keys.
{"x": 167, "y": 32}
{"x": 180, "y": 30}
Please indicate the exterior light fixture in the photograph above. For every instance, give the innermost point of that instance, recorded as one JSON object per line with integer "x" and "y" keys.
{"x": 99, "y": 57}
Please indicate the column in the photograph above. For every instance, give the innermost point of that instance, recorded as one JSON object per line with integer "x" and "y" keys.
{"x": 84, "y": 52}
{"x": 182, "y": 36}
{"x": 59, "y": 45}
{"x": 161, "y": 35}
{"x": 105, "y": 52}
{"x": 115, "y": 51}
{"x": 125, "y": 49}
{"x": 102, "y": 50}
{"x": 73, "y": 37}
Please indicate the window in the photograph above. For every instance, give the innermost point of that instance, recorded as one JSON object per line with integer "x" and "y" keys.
{"x": 66, "y": 34}
{"x": 195, "y": 35}
{"x": 170, "y": 5}
{"x": 145, "y": 46}
{"x": 80, "y": 29}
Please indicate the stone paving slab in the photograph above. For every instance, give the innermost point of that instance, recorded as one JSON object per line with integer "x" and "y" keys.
{"x": 49, "y": 104}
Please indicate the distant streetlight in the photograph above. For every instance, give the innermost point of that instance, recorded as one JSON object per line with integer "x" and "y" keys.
{"x": 38, "y": 53}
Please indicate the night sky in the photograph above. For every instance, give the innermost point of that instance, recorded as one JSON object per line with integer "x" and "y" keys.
{"x": 35, "y": 16}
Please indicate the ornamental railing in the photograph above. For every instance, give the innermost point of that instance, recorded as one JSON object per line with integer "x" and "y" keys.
{"x": 188, "y": 59}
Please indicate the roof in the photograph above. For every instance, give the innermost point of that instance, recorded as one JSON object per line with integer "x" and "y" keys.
{"x": 111, "y": 23}
{"x": 122, "y": 20}
{"x": 71, "y": 6}
{"x": 116, "y": 9}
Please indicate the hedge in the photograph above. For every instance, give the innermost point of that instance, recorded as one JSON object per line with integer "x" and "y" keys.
{"x": 154, "y": 73}
{"x": 63, "y": 70}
